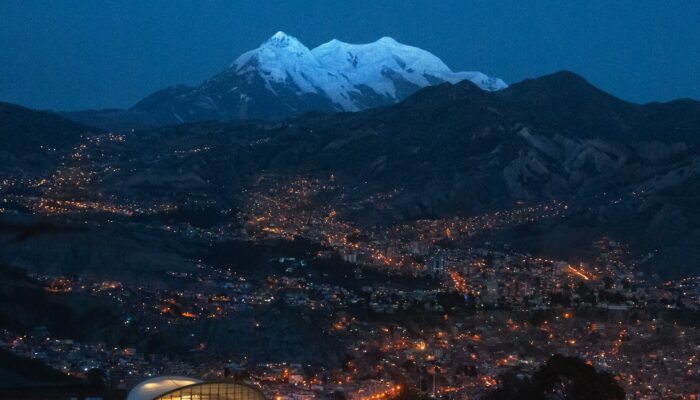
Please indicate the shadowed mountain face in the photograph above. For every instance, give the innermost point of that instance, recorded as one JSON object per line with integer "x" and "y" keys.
{"x": 459, "y": 149}
{"x": 566, "y": 104}
{"x": 626, "y": 169}
{"x": 31, "y": 139}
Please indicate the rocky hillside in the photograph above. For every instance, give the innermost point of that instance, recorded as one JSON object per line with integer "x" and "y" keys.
{"x": 626, "y": 169}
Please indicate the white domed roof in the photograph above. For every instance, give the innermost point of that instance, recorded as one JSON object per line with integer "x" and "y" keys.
{"x": 152, "y": 388}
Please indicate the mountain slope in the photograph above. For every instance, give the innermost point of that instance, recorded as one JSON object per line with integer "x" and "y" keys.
{"x": 456, "y": 148}
{"x": 447, "y": 150}
{"x": 627, "y": 170}
{"x": 564, "y": 102}
{"x": 31, "y": 139}
{"x": 24, "y": 129}
{"x": 283, "y": 78}
{"x": 513, "y": 144}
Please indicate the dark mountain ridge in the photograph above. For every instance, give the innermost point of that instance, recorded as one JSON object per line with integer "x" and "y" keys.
{"x": 457, "y": 150}
{"x": 454, "y": 150}
{"x": 22, "y": 129}
{"x": 30, "y": 140}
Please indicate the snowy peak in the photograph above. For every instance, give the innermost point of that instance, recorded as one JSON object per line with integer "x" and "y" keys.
{"x": 282, "y": 40}
{"x": 343, "y": 71}
{"x": 279, "y": 48}
{"x": 385, "y": 51}
{"x": 282, "y": 78}
{"x": 281, "y": 43}
{"x": 369, "y": 63}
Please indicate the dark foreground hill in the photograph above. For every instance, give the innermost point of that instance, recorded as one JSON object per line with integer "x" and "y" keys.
{"x": 31, "y": 139}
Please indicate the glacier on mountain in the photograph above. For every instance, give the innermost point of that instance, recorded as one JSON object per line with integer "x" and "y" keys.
{"x": 282, "y": 79}
{"x": 343, "y": 71}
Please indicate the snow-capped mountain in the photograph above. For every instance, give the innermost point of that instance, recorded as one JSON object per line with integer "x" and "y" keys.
{"x": 283, "y": 78}
{"x": 344, "y": 71}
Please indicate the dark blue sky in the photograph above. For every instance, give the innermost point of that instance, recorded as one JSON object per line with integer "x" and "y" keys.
{"x": 69, "y": 55}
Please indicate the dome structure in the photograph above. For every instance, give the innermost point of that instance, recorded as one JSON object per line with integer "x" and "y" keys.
{"x": 155, "y": 387}
{"x": 180, "y": 388}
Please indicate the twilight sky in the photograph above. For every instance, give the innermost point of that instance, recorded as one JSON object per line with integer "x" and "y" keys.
{"x": 69, "y": 54}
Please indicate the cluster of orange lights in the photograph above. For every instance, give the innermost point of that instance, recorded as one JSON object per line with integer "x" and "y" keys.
{"x": 382, "y": 258}
{"x": 339, "y": 326}
{"x": 489, "y": 381}
{"x": 387, "y": 394}
{"x": 52, "y": 206}
{"x": 459, "y": 282}
{"x": 580, "y": 273}
{"x": 59, "y": 285}
{"x": 618, "y": 342}
{"x": 507, "y": 360}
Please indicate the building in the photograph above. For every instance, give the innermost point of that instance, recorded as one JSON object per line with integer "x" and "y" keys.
{"x": 180, "y": 388}
{"x": 491, "y": 292}
{"x": 438, "y": 267}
